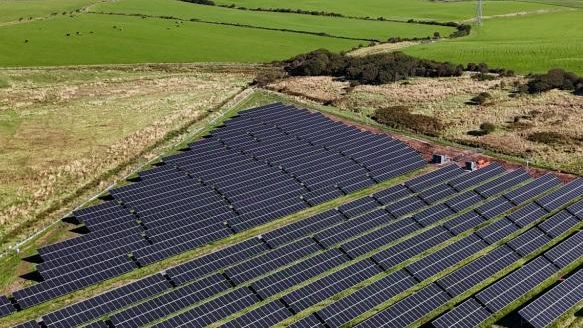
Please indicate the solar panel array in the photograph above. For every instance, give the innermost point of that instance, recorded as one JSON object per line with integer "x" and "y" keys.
{"x": 407, "y": 253}
{"x": 262, "y": 165}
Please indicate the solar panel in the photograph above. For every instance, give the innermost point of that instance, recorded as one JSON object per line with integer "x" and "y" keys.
{"x": 446, "y": 257}
{"x": 165, "y": 304}
{"x": 29, "y": 324}
{"x": 433, "y": 215}
{"x": 433, "y": 178}
{"x": 494, "y": 208}
{"x": 212, "y": 311}
{"x": 392, "y": 194}
{"x": 468, "y": 276}
{"x": 303, "y": 228}
{"x": 330, "y": 285}
{"x": 100, "y": 305}
{"x": 299, "y": 273}
{"x": 307, "y": 322}
{"x": 517, "y": 284}
{"x": 558, "y": 224}
{"x": 528, "y": 242}
{"x": 503, "y": 183}
{"x": 217, "y": 260}
{"x": 527, "y": 215}
{"x": 264, "y": 316}
{"x": 464, "y": 222}
{"x": 476, "y": 177}
{"x": 497, "y": 231}
{"x": 437, "y": 193}
{"x": 380, "y": 237}
{"x": 358, "y": 207}
{"x": 548, "y": 308}
{"x": 269, "y": 261}
{"x": 576, "y": 209}
{"x": 468, "y": 314}
{"x": 410, "y": 309}
{"x": 464, "y": 200}
{"x": 416, "y": 245}
{"x": 562, "y": 196}
{"x": 405, "y": 206}
{"x": 567, "y": 251}
{"x": 533, "y": 190}
{"x": 352, "y": 228}
{"x": 348, "y": 308}
{"x": 6, "y": 307}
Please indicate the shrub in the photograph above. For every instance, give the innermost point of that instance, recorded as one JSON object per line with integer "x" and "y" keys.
{"x": 264, "y": 78}
{"x": 372, "y": 69}
{"x": 400, "y": 117}
{"x": 488, "y": 127}
{"x": 201, "y": 2}
{"x": 555, "y": 79}
{"x": 549, "y": 138}
{"x": 481, "y": 99}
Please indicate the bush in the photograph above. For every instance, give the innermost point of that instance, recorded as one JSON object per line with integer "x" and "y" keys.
{"x": 481, "y": 99}
{"x": 264, "y": 78}
{"x": 372, "y": 69}
{"x": 400, "y": 117}
{"x": 555, "y": 79}
{"x": 549, "y": 138}
{"x": 201, "y": 2}
{"x": 488, "y": 127}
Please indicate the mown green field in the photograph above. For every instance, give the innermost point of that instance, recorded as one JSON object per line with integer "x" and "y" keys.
{"x": 397, "y": 9}
{"x": 344, "y": 27}
{"x": 137, "y": 40}
{"x": 13, "y": 10}
{"x": 533, "y": 43}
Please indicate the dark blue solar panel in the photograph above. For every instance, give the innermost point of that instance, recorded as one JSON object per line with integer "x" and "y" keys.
{"x": 348, "y": 308}
{"x": 562, "y": 196}
{"x": 567, "y": 251}
{"x": 410, "y": 309}
{"x": 468, "y": 314}
{"x": 265, "y": 316}
{"x": 433, "y": 215}
{"x": 494, "y": 208}
{"x": 464, "y": 200}
{"x": 446, "y": 257}
{"x": 433, "y": 178}
{"x": 392, "y": 194}
{"x": 330, "y": 285}
{"x": 470, "y": 275}
{"x": 558, "y": 224}
{"x": 527, "y": 215}
{"x": 503, "y": 183}
{"x": 497, "y": 231}
{"x": 512, "y": 287}
{"x": 464, "y": 222}
{"x": 529, "y": 241}
{"x": 416, "y": 245}
{"x": 533, "y": 190}
{"x": 547, "y": 309}
{"x": 5, "y": 306}
{"x": 476, "y": 177}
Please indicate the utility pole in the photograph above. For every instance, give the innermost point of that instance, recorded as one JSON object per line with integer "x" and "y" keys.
{"x": 480, "y": 13}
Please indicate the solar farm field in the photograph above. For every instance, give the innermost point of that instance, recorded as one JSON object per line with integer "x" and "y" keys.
{"x": 447, "y": 247}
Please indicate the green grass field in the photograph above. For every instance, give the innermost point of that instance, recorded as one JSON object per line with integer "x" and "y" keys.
{"x": 137, "y": 40}
{"x": 353, "y": 28}
{"x": 397, "y": 9}
{"x": 533, "y": 43}
{"x": 13, "y": 10}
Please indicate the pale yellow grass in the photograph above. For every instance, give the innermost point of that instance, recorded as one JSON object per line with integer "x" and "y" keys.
{"x": 382, "y": 48}
{"x": 58, "y": 138}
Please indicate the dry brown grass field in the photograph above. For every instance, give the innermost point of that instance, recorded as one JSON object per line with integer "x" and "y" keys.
{"x": 517, "y": 118}
{"x": 65, "y": 133}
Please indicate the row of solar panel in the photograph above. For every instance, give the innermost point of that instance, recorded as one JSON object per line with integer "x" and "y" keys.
{"x": 335, "y": 217}
{"x": 522, "y": 281}
{"x": 361, "y": 202}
